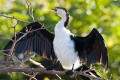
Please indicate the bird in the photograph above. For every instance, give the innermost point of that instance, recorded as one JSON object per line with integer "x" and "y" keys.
{"x": 71, "y": 51}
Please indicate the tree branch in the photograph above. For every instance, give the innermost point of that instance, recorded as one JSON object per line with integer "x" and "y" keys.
{"x": 12, "y": 17}
{"x": 28, "y": 70}
{"x": 30, "y": 10}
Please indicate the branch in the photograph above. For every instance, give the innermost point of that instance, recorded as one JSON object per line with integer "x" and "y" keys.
{"x": 36, "y": 63}
{"x": 29, "y": 70}
{"x": 12, "y": 17}
{"x": 30, "y": 10}
{"x": 31, "y": 76}
{"x": 6, "y": 62}
{"x": 3, "y": 38}
{"x": 14, "y": 41}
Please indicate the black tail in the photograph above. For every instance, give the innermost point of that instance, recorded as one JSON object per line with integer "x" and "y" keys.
{"x": 84, "y": 68}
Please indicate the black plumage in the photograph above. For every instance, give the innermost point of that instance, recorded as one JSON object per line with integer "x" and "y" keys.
{"x": 91, "y": 49}
{"x": 37, "y": 40}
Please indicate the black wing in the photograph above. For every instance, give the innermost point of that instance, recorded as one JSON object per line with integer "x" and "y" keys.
{"x": 91, "y": 49}
{"x": 37, "y": 40}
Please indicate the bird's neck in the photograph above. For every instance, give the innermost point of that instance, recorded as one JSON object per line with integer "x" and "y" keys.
{"x": 63, "y": 22}
{"x": 60, "y": 28}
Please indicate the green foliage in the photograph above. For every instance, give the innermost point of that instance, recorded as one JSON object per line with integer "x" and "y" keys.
{"x": 85, "y": 15}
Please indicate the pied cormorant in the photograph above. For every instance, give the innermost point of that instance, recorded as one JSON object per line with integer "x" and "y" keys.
{"x": 70, "y": 50}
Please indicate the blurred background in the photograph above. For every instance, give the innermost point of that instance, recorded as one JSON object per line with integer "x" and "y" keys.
{"x": 85, "y": 15}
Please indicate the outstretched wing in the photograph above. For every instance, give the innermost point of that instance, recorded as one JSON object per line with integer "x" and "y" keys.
{"x": 91, "y": 49}
{"x": 32, "y": 39}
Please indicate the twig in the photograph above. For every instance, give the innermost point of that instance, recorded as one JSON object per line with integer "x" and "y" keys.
{"x": 5, "y": 50}
{"x": 36, "y": 63}
{"x": 12, "y": 17}
{"x": 6, "y": 62}
{"x": 31, "y": 76}
{"x": 6, "y": 39}
{"x": 28, "y": 70}
{"x": 41, "y": 66}
{"x": 16, "y": 40}
{"x": 15, "y": 30}
{"x": 30, "y": 10}
{"x": 24, "y": 34}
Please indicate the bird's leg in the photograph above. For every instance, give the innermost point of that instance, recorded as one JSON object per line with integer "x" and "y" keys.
{"x": 70, "y": 72}
{"x": 56, "y": 64}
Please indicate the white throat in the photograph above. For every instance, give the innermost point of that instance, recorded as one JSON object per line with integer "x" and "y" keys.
{"x": 61, "y": 23}
{"x": 60, "y": 29}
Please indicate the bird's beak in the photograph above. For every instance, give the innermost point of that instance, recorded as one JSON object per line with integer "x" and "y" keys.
{"x": 54, "y": 9}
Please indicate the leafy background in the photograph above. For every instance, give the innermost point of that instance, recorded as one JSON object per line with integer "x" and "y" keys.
{"x": 85, "y": 15}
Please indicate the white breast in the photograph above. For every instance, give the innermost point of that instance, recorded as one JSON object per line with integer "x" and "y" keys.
{"x": 65, "y": 50}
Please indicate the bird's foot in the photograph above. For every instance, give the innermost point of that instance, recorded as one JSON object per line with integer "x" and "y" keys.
{"x": 69, "y": 72}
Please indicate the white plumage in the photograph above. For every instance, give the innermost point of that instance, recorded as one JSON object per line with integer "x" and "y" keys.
{"x": 63, "y": 45}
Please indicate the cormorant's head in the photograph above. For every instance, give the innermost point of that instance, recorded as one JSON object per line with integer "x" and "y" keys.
{"x": 62, "y": 12}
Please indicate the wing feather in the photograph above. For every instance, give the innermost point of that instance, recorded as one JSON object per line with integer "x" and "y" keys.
{"x": 37, "y": 40}
{"x": 91, "y": 49}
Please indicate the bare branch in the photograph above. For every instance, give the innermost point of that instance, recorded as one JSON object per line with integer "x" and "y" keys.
{"x": 30, "y": 10}
{"x": 6, "y": 62}
{"x": 15, "y": 30}
{"x": 6, "y": 39}
{"x": 41, "y": 66}
{"x": 36, "y": 63}
{"x": 5, "y": 50}
{"x": 31, "y": 76}
{"x": 16, "y": 40}
{"x": 24, "y": 34}
{"x": 12, "y": 17}
{"x": 28, "y": 70}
